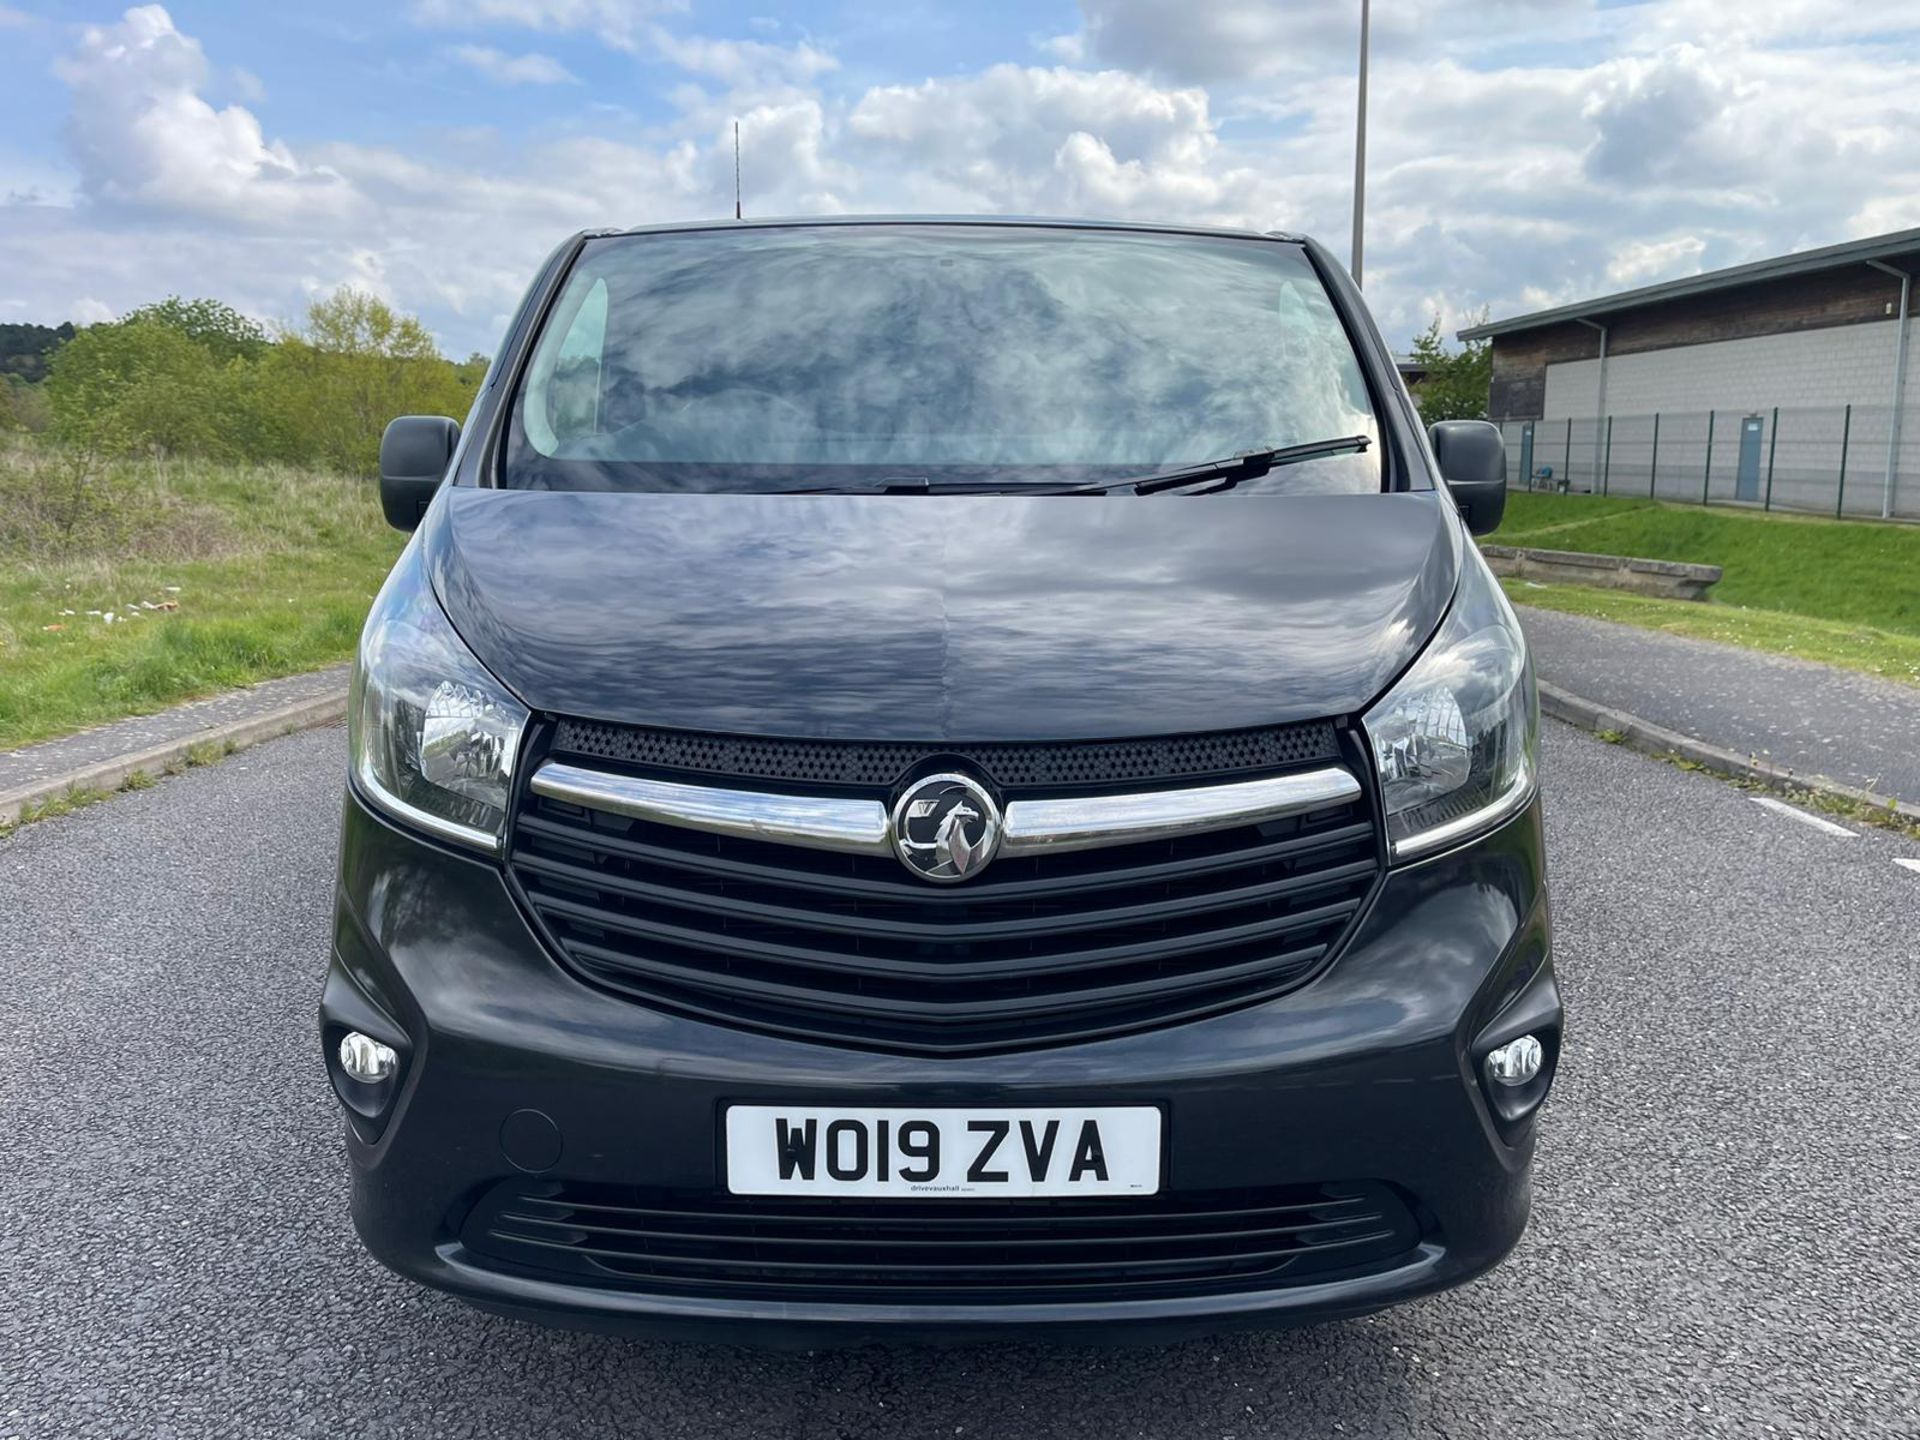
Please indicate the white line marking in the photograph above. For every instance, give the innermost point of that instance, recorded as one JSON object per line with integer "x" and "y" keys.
{"x": 1910, "y": 864}
{"x": 1794, "y": 813}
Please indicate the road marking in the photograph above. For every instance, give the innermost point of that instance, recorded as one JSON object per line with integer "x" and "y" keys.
{"x": 1794, "y": 813}
{"x": 1910, "y": 864}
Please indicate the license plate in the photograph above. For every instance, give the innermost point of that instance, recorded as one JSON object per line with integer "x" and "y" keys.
{"x": 809, "y": 1150}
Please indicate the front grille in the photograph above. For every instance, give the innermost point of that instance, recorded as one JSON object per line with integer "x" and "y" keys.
{"x": 1066, "y": 764}
{"x": 941, "y": 1251}
{"x": 1039, "y": 949}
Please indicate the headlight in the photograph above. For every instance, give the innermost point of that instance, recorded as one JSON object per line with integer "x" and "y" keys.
{"x": 1456, "y": 742}
{"x": 432, "y": 735}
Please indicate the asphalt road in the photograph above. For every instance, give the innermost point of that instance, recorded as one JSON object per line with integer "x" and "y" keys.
{"x": 1813, "y": 719}
{"x": 1724, "y": 1241}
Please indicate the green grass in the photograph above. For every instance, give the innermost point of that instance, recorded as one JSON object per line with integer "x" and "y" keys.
{"x": 1843, "y": 593}
{"x": 253, "y": 572}
{"x": 1884, "y": 653}
{"x": 1846, "y": 570}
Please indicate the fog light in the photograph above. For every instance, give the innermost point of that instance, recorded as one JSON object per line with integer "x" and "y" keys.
{"x": 365, "y": 1059}
{"x": 1516, "y": 1062}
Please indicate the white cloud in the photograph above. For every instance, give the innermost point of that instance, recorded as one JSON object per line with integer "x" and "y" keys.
{"x": 616, "y": 22}
{"x": 1070, "y": 49}
{"x": 1640, "y": 262}
{"x": 740, "y": 62}
{"x": 1008, "y": 137}
{"x": 505, "y": 69}
{"x": 89, "y": 311}
{"x": 634, "y": 26}
{"x": 1501, "y": 174}
{"x": 1229, "y": 40}
{"x": 144, "y": 138}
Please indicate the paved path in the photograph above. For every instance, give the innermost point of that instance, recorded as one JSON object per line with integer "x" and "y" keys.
{"x": 33, "y": 763}
{"x": 1810, "y": 718}
{"x": 1723, "y": 1240}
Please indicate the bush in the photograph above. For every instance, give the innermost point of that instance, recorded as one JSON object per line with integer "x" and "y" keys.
{"x": 327, "y": 392}
{"x": 1458, "y": 381}
{"x": 195, "y": 377}
{"x": 140, "y": 384}
{"x": 58, "y": 502}
{"x": 23, "y": 407}
{"x": 216, "y": 327}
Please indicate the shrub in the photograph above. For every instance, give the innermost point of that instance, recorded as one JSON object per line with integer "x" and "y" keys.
{"x": 23, "y": 407}
{"x": 195, "y": 377}
{"x": 139, "y": 385}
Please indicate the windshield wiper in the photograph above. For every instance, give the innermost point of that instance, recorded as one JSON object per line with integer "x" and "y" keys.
{"x": 1229, "y": 470}
{"x": 921, "y": 485}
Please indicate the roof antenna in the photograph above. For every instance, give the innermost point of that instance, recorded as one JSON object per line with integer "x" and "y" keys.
{"x": 736, "y": 169}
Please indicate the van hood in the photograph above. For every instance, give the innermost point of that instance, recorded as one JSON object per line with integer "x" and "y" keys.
{"x": 943, "y": 618}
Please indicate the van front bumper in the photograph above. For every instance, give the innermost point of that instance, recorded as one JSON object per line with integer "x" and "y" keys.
{"x": 517, "y": 1077}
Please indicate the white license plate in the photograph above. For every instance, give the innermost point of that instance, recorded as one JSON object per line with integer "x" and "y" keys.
{"x": 810, "y": 1150}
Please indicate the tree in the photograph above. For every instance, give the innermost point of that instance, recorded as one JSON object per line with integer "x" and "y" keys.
{"x": 1457, "y": 382}
{"x": 198, "y": 377}
{"x": 327, "y": 390}
{"x": 139, "y": 384}
{"x": 25, "y": 349}
{"x": 352, "y": 322}
{"x": 216, "y": 327}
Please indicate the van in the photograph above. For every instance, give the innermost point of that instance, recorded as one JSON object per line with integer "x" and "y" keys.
{"x": 941, "y": 778}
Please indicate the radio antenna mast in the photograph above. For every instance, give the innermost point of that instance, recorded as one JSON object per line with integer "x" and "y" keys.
{"x": 736, "y": 169}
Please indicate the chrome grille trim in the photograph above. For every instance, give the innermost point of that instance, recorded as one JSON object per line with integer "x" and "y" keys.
{"x": 1093, "y": 821}
{"x": 815, "y": 822}
{"x": 1031, "y": 826}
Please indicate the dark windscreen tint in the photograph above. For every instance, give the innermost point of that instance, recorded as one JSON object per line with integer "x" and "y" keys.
{"x": 849, "y": 355}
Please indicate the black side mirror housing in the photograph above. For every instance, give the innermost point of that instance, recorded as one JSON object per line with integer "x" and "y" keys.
{"x": 1473, "y": 462}
{"x": 414, "y": 453}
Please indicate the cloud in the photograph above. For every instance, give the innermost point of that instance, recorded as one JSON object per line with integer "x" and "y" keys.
{"x": 740, "y": 62}
{"x": 1643, "y": 261}
{"x": 616, "y": 22}
{"x": 1071, "y": 49}
{"x": 1039, "y": 139}
{"x": 505, "y": 69}
{"x": 89, "y": 311}
{"x": 1522, "y": 152}
{"x": 143, "y": 138}
{"x": 1654, "y": 120}
{"x": 634, "y": 26}
{"x": 1230, "y": 40}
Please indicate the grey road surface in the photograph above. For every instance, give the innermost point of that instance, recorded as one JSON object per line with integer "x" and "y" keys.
{"x": 1811, "y": 718}
{"x": 1724, "y": 1239}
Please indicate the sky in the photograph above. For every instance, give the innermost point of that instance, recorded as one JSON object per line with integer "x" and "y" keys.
{"x": 1521, "y": 153}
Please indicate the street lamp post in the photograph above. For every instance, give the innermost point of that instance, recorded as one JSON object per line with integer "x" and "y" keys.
{"x": 1360, "y": 148}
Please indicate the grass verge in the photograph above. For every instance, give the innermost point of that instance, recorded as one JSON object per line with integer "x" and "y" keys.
{"x": 78, "y": 797}
{"x": 1846, "y": 571}
{"x": 1843, "y": 593}
{"x": 1844, "y": 807}
{"x": 1882, "y": 653}
{"x": 214, "y": 576}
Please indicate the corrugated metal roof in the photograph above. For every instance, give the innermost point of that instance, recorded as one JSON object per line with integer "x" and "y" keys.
{"x": 1801, "y": 262}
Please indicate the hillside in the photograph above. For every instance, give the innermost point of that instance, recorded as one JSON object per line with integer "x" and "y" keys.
{"x": 25, "y": 349}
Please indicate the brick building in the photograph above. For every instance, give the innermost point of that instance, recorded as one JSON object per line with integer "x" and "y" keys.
{"x": 1784, "y": 383}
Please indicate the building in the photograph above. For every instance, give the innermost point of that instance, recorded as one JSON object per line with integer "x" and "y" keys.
{"x": 1413, "y": 374}
{"x": 1784, "y": 383}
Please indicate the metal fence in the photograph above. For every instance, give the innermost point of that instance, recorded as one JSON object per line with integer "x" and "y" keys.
{"x": 1817, "y": 460}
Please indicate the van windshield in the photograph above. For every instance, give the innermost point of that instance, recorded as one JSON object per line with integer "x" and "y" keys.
{"x": 896, "y": 356}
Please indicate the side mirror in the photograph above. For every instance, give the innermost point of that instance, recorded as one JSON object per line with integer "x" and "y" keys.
{"x": 414, "y": 453}
{"x": 1473, "y": 462}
